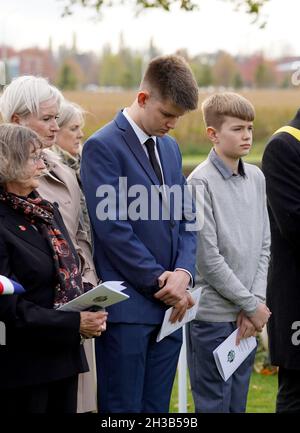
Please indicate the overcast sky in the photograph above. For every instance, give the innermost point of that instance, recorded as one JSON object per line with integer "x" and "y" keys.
{"x": 215, "y": 26}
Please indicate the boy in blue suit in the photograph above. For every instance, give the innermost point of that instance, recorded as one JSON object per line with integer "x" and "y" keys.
{"x": 128, "y": 169}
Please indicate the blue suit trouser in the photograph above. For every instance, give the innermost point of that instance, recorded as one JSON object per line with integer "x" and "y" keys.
{"x": 134, "y": 372}
{"x": 210, "y": 392}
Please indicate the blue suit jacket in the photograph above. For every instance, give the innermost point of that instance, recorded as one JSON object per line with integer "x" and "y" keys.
{"x": 134, "y": 251}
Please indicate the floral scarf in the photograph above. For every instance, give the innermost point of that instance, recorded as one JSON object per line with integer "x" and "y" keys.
{"x": 40, "y": 213}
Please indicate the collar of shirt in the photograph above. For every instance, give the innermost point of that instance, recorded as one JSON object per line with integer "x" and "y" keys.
{"x": 141, "y": 135}
{"x": 220, "y": 165}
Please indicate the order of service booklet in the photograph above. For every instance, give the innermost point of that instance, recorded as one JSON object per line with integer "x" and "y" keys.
{"x": 228, "y": 356}
{"x": 167, "y": 327}
{"x": 103, "y": 295}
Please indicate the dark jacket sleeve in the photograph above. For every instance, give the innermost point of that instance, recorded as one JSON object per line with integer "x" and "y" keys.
{"x": 32, "y": 320}
{"x": 281, "y": 167}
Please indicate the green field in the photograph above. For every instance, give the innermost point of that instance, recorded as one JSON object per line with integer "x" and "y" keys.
{"x": 190, "y": 131}
{"x": 274, "y": 108}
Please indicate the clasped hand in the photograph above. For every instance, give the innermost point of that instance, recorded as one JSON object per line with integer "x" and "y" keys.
{"x": 92, "y": 324}
{"x": 251, "y": 325}
{"x": 174, "y": 293}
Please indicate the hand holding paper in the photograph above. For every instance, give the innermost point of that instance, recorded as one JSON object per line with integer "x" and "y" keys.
{"x": 228, "y": 356}
{"x": 103, "y": 295}
{"x": 181, "y": 307}
{"x": 167, "y": 327}
{"x": 92, "y": 324}
{"x": 173, "y": 286}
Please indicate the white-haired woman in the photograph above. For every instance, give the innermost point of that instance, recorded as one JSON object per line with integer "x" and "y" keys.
{"x": 31, "y": 101}
{"x": 70, "y": 122}
{"x": 40, "y": 363}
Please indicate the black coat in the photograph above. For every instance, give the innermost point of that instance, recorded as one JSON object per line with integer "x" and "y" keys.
{"x": 42, "y": 344}
{"x": 281, "y": 166}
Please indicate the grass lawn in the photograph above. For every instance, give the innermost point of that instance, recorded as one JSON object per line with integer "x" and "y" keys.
{"x": 261, "y": 397}
{"x": 262, "y": 393}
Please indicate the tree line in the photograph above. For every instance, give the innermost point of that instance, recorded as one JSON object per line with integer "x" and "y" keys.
{"x": 123, "y": 69}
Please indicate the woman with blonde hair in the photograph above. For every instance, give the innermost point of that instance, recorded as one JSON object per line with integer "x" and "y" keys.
{"x": 69, "y": 146}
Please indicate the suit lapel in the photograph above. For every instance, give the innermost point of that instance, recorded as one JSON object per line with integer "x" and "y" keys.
{"x": 138, "y": 151}
{"x": 26, "y": 232}
{"x": 135, "y": 146}
{"x": 164, "y": 160}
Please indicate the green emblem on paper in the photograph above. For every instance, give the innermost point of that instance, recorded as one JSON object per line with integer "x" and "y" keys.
{"x": 230, "y": 356}
{"x": 100, "y": 299}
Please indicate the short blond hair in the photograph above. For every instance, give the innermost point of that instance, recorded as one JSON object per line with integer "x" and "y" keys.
{"x": 15, "y": 149}
{"x": 219, "y": 105}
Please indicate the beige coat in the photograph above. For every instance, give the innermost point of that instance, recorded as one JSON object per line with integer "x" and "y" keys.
{"x": 62, "y": 187}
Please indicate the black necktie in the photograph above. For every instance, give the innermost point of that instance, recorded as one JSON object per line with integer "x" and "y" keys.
{"x": 151, "y": 152}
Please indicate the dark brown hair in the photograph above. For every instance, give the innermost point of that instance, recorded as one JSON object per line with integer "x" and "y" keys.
{"x": 172, "y": 78}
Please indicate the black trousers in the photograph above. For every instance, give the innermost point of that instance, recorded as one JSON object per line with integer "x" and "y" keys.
{"x": 54, "y": 397}
{"x": 288, "y": 397}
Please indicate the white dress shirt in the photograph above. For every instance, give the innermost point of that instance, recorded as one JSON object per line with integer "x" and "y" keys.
{"x": 143, "y": 137}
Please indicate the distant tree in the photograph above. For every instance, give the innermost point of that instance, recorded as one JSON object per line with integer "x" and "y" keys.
{"x": 136, "y": 68}
{"x": 122, "y": 69}
{"x": 70, "y": 76}
{"x": 5, "y": 77}
{"x": 203, "y": 73}
{"x": 131, "y": 66}
{"x": 66, "y": 78}
{"x": 248, "y": 6}
{"x": 206, "y": 77}
{"x": 237, "y": 81}
{"x": 131, "y": 69}
{"x": 183, "y": 52}
{"x": 110, "y": 69}
{"x": 153, "y": 51}
{"x": 224, "y": 70}
{"x": 265, "y": 74}
{"x": 286, "y": 82}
